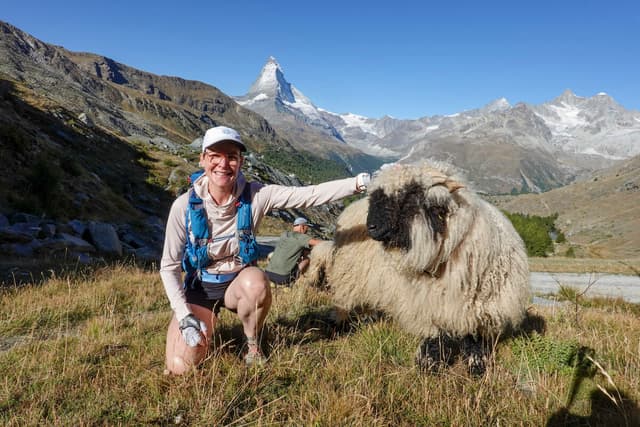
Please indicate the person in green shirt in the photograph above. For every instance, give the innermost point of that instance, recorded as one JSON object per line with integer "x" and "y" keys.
{"x": 289, "y": 259}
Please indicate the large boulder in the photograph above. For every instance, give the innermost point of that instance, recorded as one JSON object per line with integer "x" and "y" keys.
{"x": 104, "y": 238}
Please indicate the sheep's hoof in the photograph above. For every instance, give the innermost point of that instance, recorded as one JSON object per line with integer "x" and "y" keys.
{"x": 426, "y": 363}
{"x": 476, "y": 357}
{"x": 476, "y": 365}
{"x": 435, "y": 354}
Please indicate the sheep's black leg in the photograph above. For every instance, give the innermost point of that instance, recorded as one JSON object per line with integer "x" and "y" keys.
{"x": 476, "y": 353}
{"x": 436, "y": 353}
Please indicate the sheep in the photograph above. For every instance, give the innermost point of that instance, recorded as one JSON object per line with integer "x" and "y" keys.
{"x": 429, "y": 252}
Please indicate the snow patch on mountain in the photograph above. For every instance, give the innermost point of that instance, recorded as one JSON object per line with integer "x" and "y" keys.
{"x": 271, "y": 95}
{"x": 566, "y": 117}
{"x": 303, "y": 104}
{"x": 259, "y": 97}
{"x": 271, "y": 82}
{"x": 500, "y": 104}
{"x": 364, "y": 123}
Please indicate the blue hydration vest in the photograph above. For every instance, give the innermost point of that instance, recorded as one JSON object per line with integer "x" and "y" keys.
{"x": 196, "y": 258}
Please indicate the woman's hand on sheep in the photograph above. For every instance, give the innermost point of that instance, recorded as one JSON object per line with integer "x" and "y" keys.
{"x": 362, "y": 181}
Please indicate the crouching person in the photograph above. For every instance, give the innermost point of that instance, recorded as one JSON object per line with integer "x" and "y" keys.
{"x": 290, "y": 258}
{"x": 209, "y": 238}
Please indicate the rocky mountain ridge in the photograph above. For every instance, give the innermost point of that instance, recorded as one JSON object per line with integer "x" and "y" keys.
{"x": 168, "y": 112}
{"x": 294, "y": 115}
{"x": 501, "y": 148}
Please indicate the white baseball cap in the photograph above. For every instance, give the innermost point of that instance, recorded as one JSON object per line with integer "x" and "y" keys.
{"x": 221, "y": 133}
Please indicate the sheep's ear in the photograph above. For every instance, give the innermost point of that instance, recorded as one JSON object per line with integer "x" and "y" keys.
{"x": 453, "y": 185}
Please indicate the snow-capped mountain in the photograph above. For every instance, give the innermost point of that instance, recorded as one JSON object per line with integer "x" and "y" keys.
{"x": 596, "y": 126}
{"x": 501, "y": 147}
{"x": 593, "y": 126}
{"x": 548, "y": 145}
{"x": 271, "y": 95}
{"x": 292, "y": 114}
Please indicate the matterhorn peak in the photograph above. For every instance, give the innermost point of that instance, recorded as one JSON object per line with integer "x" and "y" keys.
{"x": 271, "y": 82}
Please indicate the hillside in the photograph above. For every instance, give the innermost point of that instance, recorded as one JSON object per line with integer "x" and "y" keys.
{"x": 62, "y": 168}
{"x": 88, "y": 142}
{"x": 96, "y": 125}
{"x": 167, "y": 112}
{"x": 600, "y": 215}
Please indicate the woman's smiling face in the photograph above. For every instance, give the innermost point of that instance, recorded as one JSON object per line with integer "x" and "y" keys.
{"x": 222, "y": 164}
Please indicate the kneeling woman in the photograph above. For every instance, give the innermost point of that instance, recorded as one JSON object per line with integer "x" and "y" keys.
{"x": 240, "y": 287}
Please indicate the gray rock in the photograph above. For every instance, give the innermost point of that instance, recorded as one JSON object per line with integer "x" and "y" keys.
{"x": 132, "y": 239}
{"x": 64, "y": 228}
{"x": 10, "y": 235}
{"x": 52, "y": 245}
{"x": 74, "y": 243}
{"x": 17, "y": 249}
{"x": 104, "y": 237}
{"x": 78, "y": 227}
{"x": 155, "y": 221}
{"x": 21, "y": 249}
{"x": 84, "y": 118}
{"x": 30, "y": 228}
{"x": 147, "y": 254}
{"x": 81, "y": 257}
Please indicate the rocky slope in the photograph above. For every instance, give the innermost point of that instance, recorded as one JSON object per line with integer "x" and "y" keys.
{"x": 168, "y": 112}
{"x": 600, "y": 215}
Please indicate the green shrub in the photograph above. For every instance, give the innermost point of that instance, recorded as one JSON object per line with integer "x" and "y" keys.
{"x": 535, "y": 231}
{"x": 548, "y": 355}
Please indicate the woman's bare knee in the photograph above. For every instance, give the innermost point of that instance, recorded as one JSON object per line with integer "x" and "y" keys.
{"x": 176, "y": 365}
{"x": 180, "y": 358}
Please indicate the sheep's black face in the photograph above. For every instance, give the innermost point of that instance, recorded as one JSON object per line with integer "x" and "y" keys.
{"x": 390, "y": 216}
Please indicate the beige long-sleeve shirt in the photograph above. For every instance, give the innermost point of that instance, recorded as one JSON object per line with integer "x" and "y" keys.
{"x": 222, "y": 223}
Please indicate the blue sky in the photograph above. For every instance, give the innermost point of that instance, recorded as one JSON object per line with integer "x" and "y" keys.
{"x": 407, "y": 59}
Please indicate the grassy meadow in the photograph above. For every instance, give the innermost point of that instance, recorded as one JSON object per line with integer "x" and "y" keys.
{"x": 88, "y": 349}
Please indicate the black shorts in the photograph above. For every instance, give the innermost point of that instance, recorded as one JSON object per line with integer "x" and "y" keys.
{"x": 206, "y": 295}
{"x": 279, "y": 279}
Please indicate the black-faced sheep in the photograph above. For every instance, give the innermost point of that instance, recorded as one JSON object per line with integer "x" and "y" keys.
{"x": 448, "y": 266}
